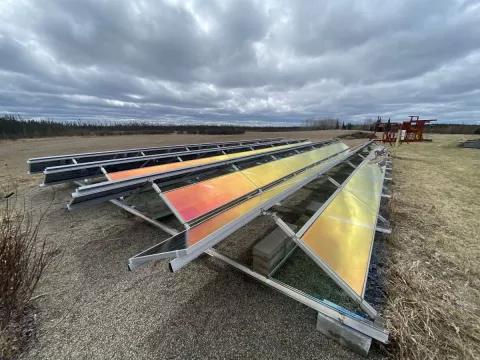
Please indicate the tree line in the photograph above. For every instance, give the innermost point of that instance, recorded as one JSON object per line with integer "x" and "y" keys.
{"x": 13, "y": 127}
{"x": 452, "y": 129}
{"x": 335, "y": 124}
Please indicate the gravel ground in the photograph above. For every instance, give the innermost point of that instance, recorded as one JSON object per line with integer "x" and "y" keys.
{"x": 92, "y": 307}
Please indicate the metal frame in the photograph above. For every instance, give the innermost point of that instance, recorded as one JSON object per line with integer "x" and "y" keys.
{"x": 344, "y": 317}
{"x": 87, "y": 170}
{"x": 39, "y": 164}
{"x": 184, "y": 256}
{"x": 297, "y": 238}
{"x": 324, "y": 307}
{"x": 122, "y": 204}
{"x": 98, "y": 193}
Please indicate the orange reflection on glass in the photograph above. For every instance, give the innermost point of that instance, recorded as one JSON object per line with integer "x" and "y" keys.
{"x": 119, "y": 175}
{"x": 344, "y": 247}
{"x": 202, "y": 230}
{"x": 198, "y": 199}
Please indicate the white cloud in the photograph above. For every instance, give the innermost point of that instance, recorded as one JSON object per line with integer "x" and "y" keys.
{"x": 240, "y": 61}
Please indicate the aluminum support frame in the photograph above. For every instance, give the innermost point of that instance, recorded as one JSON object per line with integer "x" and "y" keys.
{"x": 355, "y": 322}
{"x": 296, "y": 237}
{"x": 217, "y": 236}
{"x": 102, "y": 192}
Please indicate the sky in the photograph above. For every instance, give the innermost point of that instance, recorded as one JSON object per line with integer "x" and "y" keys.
{"x": 240, "y": 61}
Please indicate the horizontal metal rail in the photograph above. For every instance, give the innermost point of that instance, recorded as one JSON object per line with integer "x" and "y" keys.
{"x": 185, "y": 255}
{"x": 355, "y": 322}
{"x": 37, "y": 165}
{"x": 194, "y": 251}
{"x": 82, "y": 171}
{"x": 98, "y": 193}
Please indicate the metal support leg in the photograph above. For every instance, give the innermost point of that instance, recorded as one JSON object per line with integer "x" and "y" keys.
{"x": 363, "y": 326}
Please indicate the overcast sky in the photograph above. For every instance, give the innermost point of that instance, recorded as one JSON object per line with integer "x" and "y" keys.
{"x": 240, "y": 61}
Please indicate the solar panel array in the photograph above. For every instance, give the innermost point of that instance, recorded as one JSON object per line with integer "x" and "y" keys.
{"x": 205, "y": 205}
{"x": 95, "y": 193}
{"x": 343, "y": 231}
{"x": 37, "y": 165}
{"x": 119, "y": 175}
{"x": 214, "y": 189}
{"x": 95, "y": 169}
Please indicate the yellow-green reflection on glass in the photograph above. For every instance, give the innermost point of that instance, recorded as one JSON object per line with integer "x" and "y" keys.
{"x": 209, "y": 226}
{"x": 343, "y": 246}
{"x": 300, "y": 161}
{"x": 119, "y": 175}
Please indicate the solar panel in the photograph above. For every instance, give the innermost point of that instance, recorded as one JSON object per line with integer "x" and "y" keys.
{"x": 215, "y": 225}
{"x": 302, "y": 160}
{"x": 198, "y": 199}
{"x": 97, "y": 193}
{"x": 75, "y": 172}
{"x": 37, "y": 165}
{"x": 166, "y": 167}
{"x": 340, "y": 235}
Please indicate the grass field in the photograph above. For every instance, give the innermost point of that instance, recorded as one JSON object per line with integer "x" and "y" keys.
{"x": 433, "y": 307}
{"x": 91, "y": 307}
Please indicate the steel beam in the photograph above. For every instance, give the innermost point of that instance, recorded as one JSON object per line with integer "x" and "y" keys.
{"x": 364, "y": 326}
{"x": 97, "y": 193}
{"x": 39, "y": 164}
{"x": 73, "y": 172}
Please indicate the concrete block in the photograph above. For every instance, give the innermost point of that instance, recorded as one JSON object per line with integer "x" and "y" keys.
{"x": 271, "y": 250}
{"x": 344, "y": 335}
{"x": 268, "y": 264}
{"x": 261, "y": 270}
{"x": 312, "y": 207}
{"x": 271, "y": 244}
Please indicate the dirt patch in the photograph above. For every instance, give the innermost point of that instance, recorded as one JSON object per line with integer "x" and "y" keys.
{"x": 19, "y": 336}
{"x": 357, "y": 135}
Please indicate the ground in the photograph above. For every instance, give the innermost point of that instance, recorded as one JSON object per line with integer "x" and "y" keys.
{"x": 90, "y": 306}
{"x": 433, "y": 307}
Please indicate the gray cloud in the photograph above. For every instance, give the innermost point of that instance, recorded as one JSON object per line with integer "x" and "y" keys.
{"x": 240, "y": 61}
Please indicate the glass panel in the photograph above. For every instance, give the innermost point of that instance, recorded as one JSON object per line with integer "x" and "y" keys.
{"x": 348, "y": 207}
{"x": 265, "y": 174}
{"x": 198, "y": 199}
{"x": 209, "y": 226}
{"x": 343, "y": 246}
{"x": 259, "y": 151}
{"x": 119, "y": 175}
{"x": 300, "y": 161}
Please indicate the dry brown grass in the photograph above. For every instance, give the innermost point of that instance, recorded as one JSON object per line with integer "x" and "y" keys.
{"x": 23, "y": 260}
{"x": 433, "y": 299}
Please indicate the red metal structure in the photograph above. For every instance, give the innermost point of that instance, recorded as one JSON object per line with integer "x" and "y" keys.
{"x": 412, "y": 130}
